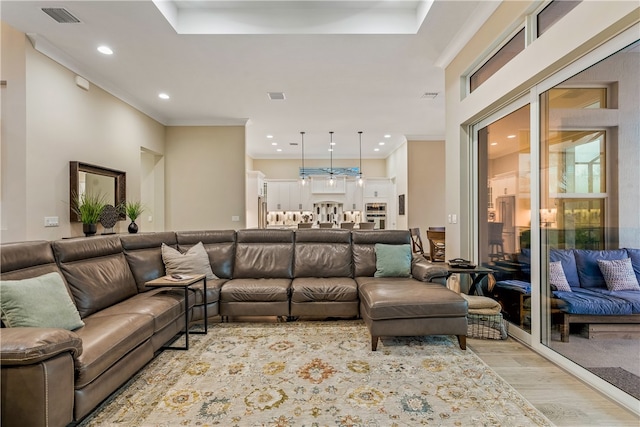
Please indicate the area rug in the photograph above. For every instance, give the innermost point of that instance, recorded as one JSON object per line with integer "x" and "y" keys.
{"x": 315, "y": 374}
{"x": 621, "y": 378}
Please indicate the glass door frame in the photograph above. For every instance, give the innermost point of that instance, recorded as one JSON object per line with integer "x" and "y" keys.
{"x": 531, "y": 96}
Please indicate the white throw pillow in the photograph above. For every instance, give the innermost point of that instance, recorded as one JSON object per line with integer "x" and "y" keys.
{"x": 194, "y": 261}
{"x": 618, "y": 274}
{"x": 557, "y": 277}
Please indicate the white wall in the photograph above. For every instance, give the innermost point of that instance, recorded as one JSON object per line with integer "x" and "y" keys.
{"x": 13, "y": 136}
{"x": 63, "y": 123}
{"x": 205, "y": 177}
{"x": 397, "y": 171}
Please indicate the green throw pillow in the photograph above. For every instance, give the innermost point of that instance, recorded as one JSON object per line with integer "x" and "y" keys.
{"x": 393, "y": 260}
{"x": 39, "y": 302}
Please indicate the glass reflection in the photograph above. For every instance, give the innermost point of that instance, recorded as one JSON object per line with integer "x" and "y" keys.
{"x": 590, "y": 196}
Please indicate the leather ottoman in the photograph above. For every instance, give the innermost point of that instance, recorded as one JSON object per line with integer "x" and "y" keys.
{"x": 412, "y": 308}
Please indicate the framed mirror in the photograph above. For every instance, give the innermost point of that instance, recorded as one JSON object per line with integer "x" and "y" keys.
{"x": 111, "y": 183}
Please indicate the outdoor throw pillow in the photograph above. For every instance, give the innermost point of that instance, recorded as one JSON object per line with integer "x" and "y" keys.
{"x": 557, "y": 277}
{"x": 38, "y": 302}
{"x": 194, "y": 261}
{"x": 393, "y": 260}
{"x": 618, "y": 275}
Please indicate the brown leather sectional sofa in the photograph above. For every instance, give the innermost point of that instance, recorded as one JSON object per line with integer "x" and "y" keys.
{"x": 53, "y": 377}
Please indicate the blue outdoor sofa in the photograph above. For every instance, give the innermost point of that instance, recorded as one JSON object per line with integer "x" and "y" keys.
{"x": 589, "y": 301}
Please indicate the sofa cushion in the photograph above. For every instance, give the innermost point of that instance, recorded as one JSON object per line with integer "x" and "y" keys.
{"x": 634, "y": 254}
{"x": 255, "y": 290}
{"x": 618, "y": 275}
{"x": 393, "y": 260}
{"x": 557, "y": 278}
{"x": 363, "y": 247}
{"x": 40, "y": 302}
{"x": 264, "y": 254}
{"x": 587, "y": 265}
{"x": 315, "y": 289}
{"x": 144, "y": 255}
{"x": 107, "y": 339}
{"x": 587, "y": 301}
{"x": 322, "y": 253}
{"x": 410, "y": 299}
{"x": 96, "y": 271}
{"x": 219, "y": 244}
{"x": 568, "y": 260}
{"x": 195, "y": 261}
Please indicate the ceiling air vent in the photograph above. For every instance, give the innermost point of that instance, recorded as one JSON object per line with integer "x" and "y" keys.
{"x": 276, "y": 96}
{"x": 62, "y": 16}
{"x": 429, "y": 95}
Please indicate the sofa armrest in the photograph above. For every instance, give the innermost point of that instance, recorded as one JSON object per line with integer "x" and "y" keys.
{"x": 27, "y": 346}
{"x": 425, "y": 271}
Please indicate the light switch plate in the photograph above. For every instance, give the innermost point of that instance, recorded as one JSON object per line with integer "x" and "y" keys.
{"x": 51, "y": 221}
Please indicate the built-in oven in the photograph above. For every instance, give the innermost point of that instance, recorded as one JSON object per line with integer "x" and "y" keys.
{"x": 376, "y": 213}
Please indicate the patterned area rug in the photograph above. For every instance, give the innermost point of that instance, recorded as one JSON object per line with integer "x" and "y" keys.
{"x": 315, "y": 374}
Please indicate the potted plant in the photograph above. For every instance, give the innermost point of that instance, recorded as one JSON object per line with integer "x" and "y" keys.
{"x": 88, "y": 207}
{"x": 133, "y": 211}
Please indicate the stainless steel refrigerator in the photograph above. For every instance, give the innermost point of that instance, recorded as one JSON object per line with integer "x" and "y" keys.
{"x": 506, "y": 214}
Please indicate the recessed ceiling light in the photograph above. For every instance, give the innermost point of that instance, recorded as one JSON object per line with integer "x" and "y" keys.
{"x": 276, "y": 96}
{"x": 387, "y": 136}
{"x": 330, "y": 149}
{"x": 105, "y": 50}
{"x": 332, "y": 143}
{"x": 381, "y": 143}
{"x": 376, "y": 149}
{"x": 274, "y": 143}
{"x": 163, "y": 96}
{"x": 269, "y": 136}
{"x": 279, "y": 149}
{"x": 511, "y": 136}
{"x": 494, "y": 143}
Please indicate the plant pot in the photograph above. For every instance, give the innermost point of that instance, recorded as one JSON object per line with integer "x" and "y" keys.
{"x": 89, "y": 229}
{"x": 133, "y": 227}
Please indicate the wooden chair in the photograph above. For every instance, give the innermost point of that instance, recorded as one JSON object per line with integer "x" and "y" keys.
{"x": 436, "y": 245}
{"x": 326, "y": 225}
{"x": 366, "y": 225}
{"x": 305, "y": 224}
{"x": 347, "y": 225}
{"x": 416, "y": 242}
{"x": 496, "y": 242}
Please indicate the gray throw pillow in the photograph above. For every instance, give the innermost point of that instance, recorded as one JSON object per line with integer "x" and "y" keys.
{"x": 393, "y": 260}
{"x": 557, "y": 277}
{"x": 619, "y": 275}
{"x": 38, "y": 302}
{"x": 194, "y": 261}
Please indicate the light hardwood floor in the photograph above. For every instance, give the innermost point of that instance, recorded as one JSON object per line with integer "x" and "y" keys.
{"x": 564, "y": 399}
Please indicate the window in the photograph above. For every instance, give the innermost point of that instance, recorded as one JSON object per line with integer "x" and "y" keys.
{"x": 553, "y": 12}
{"x": 497, "y": 61}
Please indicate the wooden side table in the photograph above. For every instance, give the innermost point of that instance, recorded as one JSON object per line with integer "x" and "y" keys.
{"x": 169, "y": 282}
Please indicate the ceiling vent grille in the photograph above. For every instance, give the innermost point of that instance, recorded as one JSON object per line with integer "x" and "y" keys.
{"x": 62, "y": 16}
{"x": 429, "y": 95}
{"x": 276, "y": 96}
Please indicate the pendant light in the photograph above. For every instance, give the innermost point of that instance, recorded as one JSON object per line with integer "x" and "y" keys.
{"x": 331, "y": 180}
{"x": 303, "y": 177}
{"x": 360, "y": 179}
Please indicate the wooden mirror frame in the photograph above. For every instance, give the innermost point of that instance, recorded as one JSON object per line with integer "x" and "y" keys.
{"x": 120, "y": 184}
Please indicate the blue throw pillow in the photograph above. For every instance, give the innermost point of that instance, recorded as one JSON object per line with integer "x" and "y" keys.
{"x": 393, "y": 260}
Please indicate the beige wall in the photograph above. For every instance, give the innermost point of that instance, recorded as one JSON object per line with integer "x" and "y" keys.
{"x": 583, "y": 29}
{"x": 13, "y": 136}
{"x": 426, "y": 194}
{"x": 62, "y": 122}
{"x": 289, "y": 168}
{"x": 205, "y": 177}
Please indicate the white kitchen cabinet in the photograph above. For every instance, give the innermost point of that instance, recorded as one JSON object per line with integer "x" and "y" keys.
{"x": 378, "y": 188}
{"x": 287, "y": 195}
